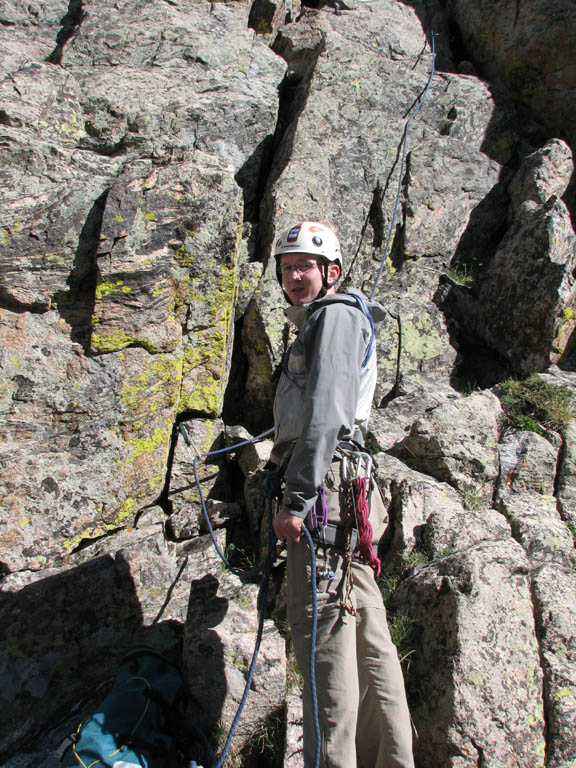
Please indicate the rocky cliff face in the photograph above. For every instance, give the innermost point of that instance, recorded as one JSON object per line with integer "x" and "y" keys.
{"x": 149, "y": 153}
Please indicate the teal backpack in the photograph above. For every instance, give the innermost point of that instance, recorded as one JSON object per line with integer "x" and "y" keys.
{"x": 134, "y": 726}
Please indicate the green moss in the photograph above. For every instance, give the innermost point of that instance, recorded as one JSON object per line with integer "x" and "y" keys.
{"x": 55, "y": 258}
{"x": 483, "y": 40}
{"x": 149, "y": 215}
{"x": 390, "y": 268}
{"x": 159, "y": 289}
{"x": 106, "y": 288}
{"x": 235, "y": 659}
{"x": 476, "y": 678}
{"x": 11, "y": 230}
{"x": 15, "y": 653}
{"x": 204, "y": 363}
{"x": 154, "y": 388}
{"x": 204, "y": 397}
{"x": 156, "y": 483}
{"x": 127, "y": 510}
{"x": 525, "y": 77}
{"x": 113, "y": 340}
{"x": 185, "y": 258}
{"x": 72, "y": 131}
{"x": 160, "y": 438}
{"x": 563, "y": 693}
{"x": 71, "y": 544}
{"x": 421, "y": 340}
{"x": 263, "y": 27}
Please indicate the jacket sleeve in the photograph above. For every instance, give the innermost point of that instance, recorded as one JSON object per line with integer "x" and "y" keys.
{"x": 334, "y": 346}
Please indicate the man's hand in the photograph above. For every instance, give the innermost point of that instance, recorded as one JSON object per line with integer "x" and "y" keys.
{"x": 287, "y": 526}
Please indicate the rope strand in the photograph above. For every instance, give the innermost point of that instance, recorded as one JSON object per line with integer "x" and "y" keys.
{"x": 402, "y": 163}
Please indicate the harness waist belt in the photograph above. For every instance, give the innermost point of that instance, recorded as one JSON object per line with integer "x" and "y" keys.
{"x": 330, "y": 535}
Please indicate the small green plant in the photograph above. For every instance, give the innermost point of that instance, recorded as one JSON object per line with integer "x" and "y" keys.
{"x": 267, "y": 741}
{"x": 534, "y": 405}
{"x": 244, "y": 600}
{"x": 445, "y": 553}
{"x": 472, "y": 498}
{"x": 388, "y": 583}
{"x": 235, "y": 659}
{"x": 240, "y": 557}
{"x": 460, "y": 274}
{"x": 294, "y": 680}
{"x": 416, "y": 557}
{"x": 402, "y": 628}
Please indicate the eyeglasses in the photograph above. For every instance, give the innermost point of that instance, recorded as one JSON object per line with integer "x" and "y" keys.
{"x": 301, "y": 268}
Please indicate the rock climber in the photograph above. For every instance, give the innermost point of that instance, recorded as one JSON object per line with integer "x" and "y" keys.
{"x": 321, "y": 412}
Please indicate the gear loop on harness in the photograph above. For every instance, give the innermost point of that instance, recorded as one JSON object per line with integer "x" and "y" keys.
{"x": 356, "y": 471}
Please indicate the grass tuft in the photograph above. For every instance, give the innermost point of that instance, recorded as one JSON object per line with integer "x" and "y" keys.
{"x": 534, "y": 405}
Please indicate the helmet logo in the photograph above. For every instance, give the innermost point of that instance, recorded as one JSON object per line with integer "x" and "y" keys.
{"x": 317, "y": 241}
{"x": 292, "y": 236}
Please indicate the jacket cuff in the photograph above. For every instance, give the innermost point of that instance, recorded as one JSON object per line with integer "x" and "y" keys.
{"x": 293, "y": 502}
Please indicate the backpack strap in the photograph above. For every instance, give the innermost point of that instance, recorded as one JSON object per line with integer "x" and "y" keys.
{"x": 363, "y": 307}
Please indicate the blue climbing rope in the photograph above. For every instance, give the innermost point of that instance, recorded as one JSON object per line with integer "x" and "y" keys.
{"x": 228, "y": 449}
{"x": 263, "y": 594}
{"x": 312, "y": 668}
{"x": 262, "y": 598}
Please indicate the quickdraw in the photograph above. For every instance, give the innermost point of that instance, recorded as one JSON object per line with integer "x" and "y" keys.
{"x": 349, "y": 519}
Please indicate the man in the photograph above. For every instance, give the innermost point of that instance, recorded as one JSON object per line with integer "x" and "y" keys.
{"x": 321, "y": 412}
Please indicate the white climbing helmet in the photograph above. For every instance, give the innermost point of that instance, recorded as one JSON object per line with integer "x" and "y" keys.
{"x": 314, "y": 238}
{"x": 309, "y": 237}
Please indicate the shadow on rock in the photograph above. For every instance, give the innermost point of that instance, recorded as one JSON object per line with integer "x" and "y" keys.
{"x": 61, "y": 641}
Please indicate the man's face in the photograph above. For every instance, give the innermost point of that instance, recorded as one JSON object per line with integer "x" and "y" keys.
{"x": 302, "y": 276}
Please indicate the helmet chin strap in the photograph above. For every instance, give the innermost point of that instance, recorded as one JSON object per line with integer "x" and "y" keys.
{"x": 325, "y": 284}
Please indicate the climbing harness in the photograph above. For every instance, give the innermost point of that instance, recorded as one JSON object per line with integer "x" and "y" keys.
{"x": 353, "y": 538}
{"x": 357, "y": 471}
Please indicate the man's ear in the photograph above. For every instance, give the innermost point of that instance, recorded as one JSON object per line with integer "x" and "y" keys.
{"x": 333, "y": 273}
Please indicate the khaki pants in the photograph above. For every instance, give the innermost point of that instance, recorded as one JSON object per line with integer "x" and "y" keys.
{"x": 362, "y": 707}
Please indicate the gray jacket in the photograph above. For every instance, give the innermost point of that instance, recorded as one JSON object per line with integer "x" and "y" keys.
{"x": 325, "y": 393}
